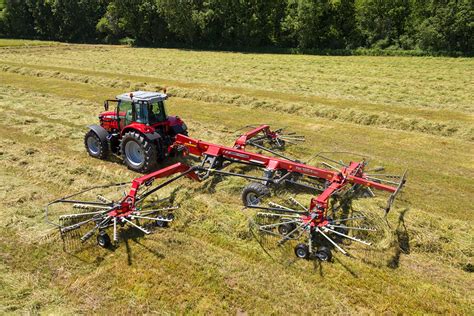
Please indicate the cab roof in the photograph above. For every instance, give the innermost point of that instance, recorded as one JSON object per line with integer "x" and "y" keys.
{"x": 142, "y": 96}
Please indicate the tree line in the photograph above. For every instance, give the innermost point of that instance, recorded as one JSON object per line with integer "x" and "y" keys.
{"x": 426, "y": 25}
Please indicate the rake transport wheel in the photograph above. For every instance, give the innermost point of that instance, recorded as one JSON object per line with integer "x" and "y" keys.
{"x": 324, "y": 254}
{"x": 302, "y": 251}
{"x": 253, "y": 193}
{"x": 103, "y": 240}
{"x": 138, "y": 153}
{"x": 94, "y": 146}
{"x": 286, "y": 228}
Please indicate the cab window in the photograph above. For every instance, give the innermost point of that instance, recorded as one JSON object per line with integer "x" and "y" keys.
{"x": 156, "y": 113}
{"x": 125, "y": 113}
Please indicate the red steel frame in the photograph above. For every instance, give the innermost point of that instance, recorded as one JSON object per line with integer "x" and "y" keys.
{"x": 127, "y": 206}
{"x": 241, "y": 142}
{"x": 352, "y": 174}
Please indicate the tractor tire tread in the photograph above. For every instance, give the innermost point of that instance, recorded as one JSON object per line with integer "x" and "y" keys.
{"x": 104, "y": 149}
{"x": 150, "y": 150}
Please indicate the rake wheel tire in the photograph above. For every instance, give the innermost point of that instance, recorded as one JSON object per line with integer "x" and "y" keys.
{"x": 94, "y": 146}
{"x": 138, "y": 153}
{"x": 302, "y": 251}
{"x": 161, "y": 224}
{"x": 324, "y": 254}
{"x": 103, "y": 240}
{"x": 252, "y": 193}
{"x": 286, "y": 228}
{"x": 279, "y": 145}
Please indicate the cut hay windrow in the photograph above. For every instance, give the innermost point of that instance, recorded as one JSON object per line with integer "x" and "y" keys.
{"x": 315, "y": 110}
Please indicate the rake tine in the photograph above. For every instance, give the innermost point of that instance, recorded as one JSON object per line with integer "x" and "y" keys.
{"x": 75, "y": 226}
{"x": 89, "y": 234}
{"x": 80, "y": 214}
{"x": 272, "y": 204}
{"x": 274, "y": 209}
{"x": 289, "y": 141}
{"x": 349, "y": 218}
{"x": 372, "y": 194}
{"x": 115, "y": 230}
{"x": 384, "y": 175}
{"x": 329, "y": 166}
{"x": 90, "y": 206}
{"x": 136, "y": 226}
{"x": 294, "y": 137}
{"x": 354, "y": 228}
{"x": 276, "y": 215}
{"x": 84, "y": 202}
{"x": 157, "y": 210}
{"x": 151, "y": 218}
{"x": 103, "y": 199}
{"x": 348, "y": 237}
{"x": 331, "y": 241}
{"x": 279, "y": 224}
{"x": 294, "y": 201}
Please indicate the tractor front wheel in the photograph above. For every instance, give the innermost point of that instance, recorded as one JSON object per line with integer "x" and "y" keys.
{"x": 138, "y": 153}
{"x": 94, "y": 146}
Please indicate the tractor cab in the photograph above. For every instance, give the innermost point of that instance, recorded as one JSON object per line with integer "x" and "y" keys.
{"x": 137, "y": 128}
{"x": 141, "y": 107}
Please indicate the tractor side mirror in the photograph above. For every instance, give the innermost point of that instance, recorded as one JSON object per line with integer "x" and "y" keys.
{"x": 106, "y": 105}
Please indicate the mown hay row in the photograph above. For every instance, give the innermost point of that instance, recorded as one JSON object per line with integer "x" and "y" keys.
{"x": 383, "y": 119}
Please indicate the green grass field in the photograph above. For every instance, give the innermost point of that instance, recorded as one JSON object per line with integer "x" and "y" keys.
{"x": 404, "y": 112}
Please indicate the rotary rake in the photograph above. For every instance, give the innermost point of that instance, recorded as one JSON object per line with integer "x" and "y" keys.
{"x": 317, "y": 227}
{"x": 95, "y": 213}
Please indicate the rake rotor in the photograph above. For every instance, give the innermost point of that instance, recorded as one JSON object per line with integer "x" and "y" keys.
{"x": 95, "y": 212}
{"x": 312, "y": 234}
{"x": 93, "y": 217}
{"x": 263, "y": 138}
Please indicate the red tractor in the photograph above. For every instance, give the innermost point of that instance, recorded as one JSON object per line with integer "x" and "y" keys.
{"x": 138, "y": 129}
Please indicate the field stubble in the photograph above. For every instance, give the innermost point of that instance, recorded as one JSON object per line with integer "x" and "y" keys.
{"x": 208, "y": 261}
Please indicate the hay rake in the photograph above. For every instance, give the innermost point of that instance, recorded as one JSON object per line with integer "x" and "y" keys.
{"x": 96, "y": 215}
{"x": 317, "y": 227}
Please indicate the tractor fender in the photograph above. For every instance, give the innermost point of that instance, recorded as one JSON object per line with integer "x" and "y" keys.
{"x": 100, "y": 131}
{"x": 153, "y": 137}
{"x": 156, "y": 139}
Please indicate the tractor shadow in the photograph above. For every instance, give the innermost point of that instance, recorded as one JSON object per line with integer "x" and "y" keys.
{"x": 402, "y": 243}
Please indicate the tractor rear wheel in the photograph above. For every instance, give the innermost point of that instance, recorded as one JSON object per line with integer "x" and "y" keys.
{"x": 138, "y": 153}
{"x": 253, "y": 193}
{"x": 94, "y": 146}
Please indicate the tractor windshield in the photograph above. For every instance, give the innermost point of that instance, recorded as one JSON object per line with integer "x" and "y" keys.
{"x": 156, "y": 112}
{"x": 141, "y": 112}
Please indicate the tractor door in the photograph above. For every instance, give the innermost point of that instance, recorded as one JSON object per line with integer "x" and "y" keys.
{"x": 125, "y": 113}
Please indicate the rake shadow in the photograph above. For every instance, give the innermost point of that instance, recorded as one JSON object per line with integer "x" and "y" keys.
{"x": 402, "y": 243}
